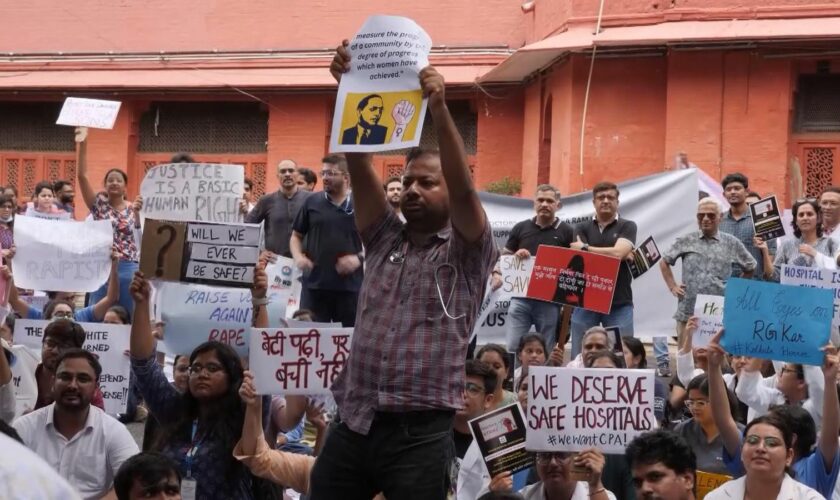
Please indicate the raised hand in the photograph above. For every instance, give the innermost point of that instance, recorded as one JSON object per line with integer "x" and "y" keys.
{"x": 341, "y": 61}
{"x": 140, "y": 289}
{"x": 247, "y": 391}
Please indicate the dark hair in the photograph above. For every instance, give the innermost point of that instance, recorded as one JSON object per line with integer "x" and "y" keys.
{"x": 780, "y": 422}
{"x": 121, "y": 172}
{"x": 224, "y": 422}
{"x": 662, "y": 446}
{"x": 796, "y": 421}
{"x": 604, "y": 186}
{"x": 590, "y": 358}
{"x": 42, "y": 186}
{"x": 366, "y": 99}
{"x": 476, "y": 368}
{"x": 817, "y": 209}
{"x": 14, "y": 189}
{"x": 300, "y": 312}
{"x": 498, "y": 349}
{"x": 339, "y": 161}
{"x": 701, "y": 383}
{"x": 4, "y": 198}
{"x": 79, "y": 354}
{"x": 831, "y": 189}
{"x": 501, "y": 495}
{"x": 64, "y": 330}
{"x": 419, "y": 152}
{"x": 753, "y": 194}
{"x": 59, "y": 185}
{"x": 182, "y": 158}
{"x": 50, "y": 306}
{"x": 636, "y": 348}
{"x": 149, "y": 467}
{"x": 390, "y": 180}
{"x": 248, "y": 182}
{"x": 308, "y": 175}
{"x": 735, "y": 177}
{"x": 527, "y": 339}
{"x": 177, "y": 357}
{"x": 10, "y": 431}
{"x": 121, "y": 313}
{"x": 10, "y": 322}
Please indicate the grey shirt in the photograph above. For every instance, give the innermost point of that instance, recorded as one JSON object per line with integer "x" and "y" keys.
{"x": 279, "y": 214}
{"x": 709, "y": 453}
{"x": 706, "y": 265}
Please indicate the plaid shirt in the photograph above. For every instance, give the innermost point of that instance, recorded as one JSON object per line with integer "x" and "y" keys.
{"x": 406, "y": 354}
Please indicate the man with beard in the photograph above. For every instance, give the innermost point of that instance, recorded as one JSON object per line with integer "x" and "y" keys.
{"x": 393, "y": 193}
{"x": 663, "y": 466}
{"x": 367, "y": 130}
{"x": 86, "y": 446}
{"x": 64, "y": 195}
{"x": 279, "y": 209}
{"x": 738, "y": 221}
{"x": 327, "y": 248}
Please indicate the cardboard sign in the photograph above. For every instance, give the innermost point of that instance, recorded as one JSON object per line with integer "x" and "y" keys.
{"x": 380, "y": 106}
{"x": 575, "y": 278}
{"x": 93, "y": 113}
{"x": 298, "y": 360}
{"x": 500, "y": 436}
{"x": 815, "y": 277}
{"x": 192, "y": 252}
{"x": 571, "y": 409}
{"x": 706, "y": 482}
{"x": 778, "y": 322}
{"x": 62, "y": 256}
{"x": 108, "y": 342}
{"x": 767, "y": 218}
{"x": 203, "y": 192}
{"x": 516, "y": 274}
{"x": 645, "y": 256}
{"x": 709, "y": 312}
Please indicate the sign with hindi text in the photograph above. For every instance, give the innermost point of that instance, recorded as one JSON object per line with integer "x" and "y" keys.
{"x": 572, "y": 409}
{"x": 572, "y": 277}
{"x": 201, "y": 192}
{"x": 298, "y": 360}
{"x": 93, "y": 113}
{"x": 777, "y": 322}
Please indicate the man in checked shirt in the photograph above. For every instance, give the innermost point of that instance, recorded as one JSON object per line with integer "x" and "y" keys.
{"x": 423, "y": 285}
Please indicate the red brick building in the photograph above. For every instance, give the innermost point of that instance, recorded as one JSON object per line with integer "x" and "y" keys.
{"x": 737, "y": 84}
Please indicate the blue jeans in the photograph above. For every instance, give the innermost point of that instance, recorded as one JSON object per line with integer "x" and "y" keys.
{"x": 523, "y": 313}
{"x": 126, "y": 271}
{"x": 660, "y": 351}
{"x": 582, "y": 320}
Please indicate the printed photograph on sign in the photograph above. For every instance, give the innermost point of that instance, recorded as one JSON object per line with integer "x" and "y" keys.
{"x": 644, "y": 257}
{"x": 384, "y": 118}
{"x": 500, "y": 436}
{"x": 576, "y": 278}
{"x": 767, "y": 220}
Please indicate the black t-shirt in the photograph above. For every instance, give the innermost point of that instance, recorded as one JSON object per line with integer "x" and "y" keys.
{"x": 528, "y": 235}
{"x": 590, "y": 233}
{"x": 462, "y": 442}
{"x": 330, "y": 233}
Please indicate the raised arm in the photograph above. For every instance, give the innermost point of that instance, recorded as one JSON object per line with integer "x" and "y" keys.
{"x": 368, "y": 207}
{"x": 88, "y": 193}
{"x": 465, "y": 210}
{"x": 831, "y": 409}
{"x": 16, "y": 303}
{"x": 252, "y": 427}
{"x": 258, "y": 296}
{"x": 113, "y": 293}
{"x": 719, "y": 400}
{"x": 142, "y": 344}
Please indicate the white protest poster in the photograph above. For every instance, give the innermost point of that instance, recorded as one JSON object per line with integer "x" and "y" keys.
{"x": 62, "y": 256}
{"x": 572, "y": 409}
{"x": 93, "y": 113}
{"x": 284, "y": 276}
{"x": 709, "y": 312}
{"x": 108, "y": 342}
{"x": 380, "y": 106}
{"x": 200, "y": 192}
{"x": 193, "y": 314}
{"x": 298, "y": 360}
{"x": 492, "y": 318}
{"x": 814, "y": 277}
{"x": 516, "y": 274}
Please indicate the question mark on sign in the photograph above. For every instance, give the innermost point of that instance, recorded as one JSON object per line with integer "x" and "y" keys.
{"x": 165, "y": 247}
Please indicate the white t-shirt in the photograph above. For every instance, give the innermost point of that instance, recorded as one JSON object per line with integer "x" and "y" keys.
{"x": 25, "y": 475}
{"x": 23, "y": 378}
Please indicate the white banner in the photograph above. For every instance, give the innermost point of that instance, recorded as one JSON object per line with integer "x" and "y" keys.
{"x": 814, "y": 277}
{"x": 298, "y": 360}
{"x": 661, "y": 205}
{"x": 62, "y": 256}
{"x": 572, "y": 409}
{"x": 202, "y": 192}
{"x": 709, "y": 312}
{"x": 108, "y": 342}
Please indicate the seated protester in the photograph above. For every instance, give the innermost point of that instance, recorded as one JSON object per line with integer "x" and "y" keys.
{"x": 767, "y": 455}
{"x": 496, "y": 356}
{"x": 635, "y": 357}
{"x": 469, "y": 475}
{"x": 531, "y": 351}
{"x": 594, "y": 339}
{"x": 700, "y": 431}
{"x": 307, "y": 410}
{"x": 77, "y": 439}
{"x": 181, "y": 379}
{"x": 818, "y": 468}
{"x": 26, "y": 475}
{"x": 202, "y": 425}
{"x": 793, "y": 384}
{"x": 148, "y": 475}
{"x": 62, "y": 304}
{"x": 663, "y": 466}
{"x": 556, "y": 483}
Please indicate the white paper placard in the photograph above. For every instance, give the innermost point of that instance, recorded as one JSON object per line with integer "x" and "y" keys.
{"x": 93, "y": 113}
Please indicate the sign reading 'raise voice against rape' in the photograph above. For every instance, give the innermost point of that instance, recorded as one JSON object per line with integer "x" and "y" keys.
{"x": 571, "y": 409}
{"x": 204, "y": 192}
{"x": 778, "y": 322}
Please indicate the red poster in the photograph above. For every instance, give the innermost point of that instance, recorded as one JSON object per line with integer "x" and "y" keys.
{"x": 573, "y": 277}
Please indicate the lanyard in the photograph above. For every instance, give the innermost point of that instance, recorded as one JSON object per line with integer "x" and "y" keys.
{"x": 193, "y": 450}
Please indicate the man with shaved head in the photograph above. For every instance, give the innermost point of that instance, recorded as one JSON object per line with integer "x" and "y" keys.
{"x": 279, "y": 209}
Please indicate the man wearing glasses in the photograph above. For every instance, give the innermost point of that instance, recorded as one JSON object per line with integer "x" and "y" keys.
{"x": 279, "y": 209}
{"x": 557, "y": 481}
{"x": 707, "y": 259}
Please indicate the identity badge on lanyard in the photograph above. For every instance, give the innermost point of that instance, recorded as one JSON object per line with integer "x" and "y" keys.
{"x": 188, "y": 483}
